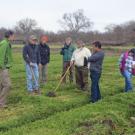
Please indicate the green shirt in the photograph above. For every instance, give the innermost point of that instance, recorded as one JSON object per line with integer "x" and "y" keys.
{"x": 67, "y": 52}
{"x": 5, "y": 54}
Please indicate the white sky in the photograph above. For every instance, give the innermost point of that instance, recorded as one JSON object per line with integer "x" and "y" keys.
{"x": 48, "y": 12}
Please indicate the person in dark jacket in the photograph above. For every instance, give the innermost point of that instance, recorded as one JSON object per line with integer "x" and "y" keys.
{"x": 45, "y": 58}
{"x": 32, "y": 60}
{"x": 67, "y": 52}
{"x": 96, "y": 61}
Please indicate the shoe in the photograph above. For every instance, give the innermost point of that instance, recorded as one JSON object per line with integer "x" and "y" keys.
{"x": 37, "y": 92}
{"x": 3, "y": 106}
{"x": 31, "y": 93}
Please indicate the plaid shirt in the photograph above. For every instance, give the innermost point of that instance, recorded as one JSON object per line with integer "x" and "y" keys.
{"x": 121, "y": 58}
{"x": 129, "y": 63}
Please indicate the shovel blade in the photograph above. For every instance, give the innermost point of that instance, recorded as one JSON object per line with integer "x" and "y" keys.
{"x": 51, "y": 94}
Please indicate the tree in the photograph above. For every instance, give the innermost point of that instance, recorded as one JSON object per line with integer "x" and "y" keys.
{"x": 75, "y": 22}
{"x": 25, "y": 26}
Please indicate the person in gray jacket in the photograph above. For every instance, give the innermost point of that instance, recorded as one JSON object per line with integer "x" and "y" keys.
{"x": 96, "y": 61}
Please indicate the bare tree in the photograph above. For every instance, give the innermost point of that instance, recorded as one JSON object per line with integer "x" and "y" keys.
{"x": 26, "y": 26}
{"x": 75, "y": 21}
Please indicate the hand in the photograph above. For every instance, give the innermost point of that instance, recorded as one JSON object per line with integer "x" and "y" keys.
{"x": 72, "y": 63}
{"x": 40, "y": 66}
{"x": 63, "y": 48}
{"x": 133, "y": 66}
{"x": 32, "y": 64}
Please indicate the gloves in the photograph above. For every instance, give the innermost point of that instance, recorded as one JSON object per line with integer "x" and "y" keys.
{"x": 62, "y": 51}
{"x": 85, "y": 62}
{"x": 32, "y": 64}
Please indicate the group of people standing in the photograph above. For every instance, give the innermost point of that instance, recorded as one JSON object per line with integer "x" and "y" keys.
{"x": 83, "y": 61}
{"x": 75, "y": 58}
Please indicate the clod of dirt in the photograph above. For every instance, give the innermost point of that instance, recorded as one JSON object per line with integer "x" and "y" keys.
{"x": 109, "y": 123}
{"x": 132, "y": 106}
{"x": 87, "y": 124}
{"x": 51, "y": 94}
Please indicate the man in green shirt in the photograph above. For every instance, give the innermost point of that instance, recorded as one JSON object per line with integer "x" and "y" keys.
{"x": 67, "y": 52}
{"x": 5, "y": 64}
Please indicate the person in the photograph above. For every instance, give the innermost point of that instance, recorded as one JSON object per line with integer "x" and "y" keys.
{"x": 32, "y": 59}
{"x": 45, "y": 58}
{"x": 126, "y": 68}
{"x": 80, "y": 60}
{"x": 96, "y": 61}
{"x": 5, "y": 65}
{"x": 67, "y": 52}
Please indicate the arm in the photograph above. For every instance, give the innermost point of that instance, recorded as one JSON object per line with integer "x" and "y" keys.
{"x": 25, "y": 55}
{"x": 38, "y": 56}
{"x": 120, "y": 59}
{"x": 3, "y": 49}
{"x": 62, "y": 51}
{"x": 48, "y": 54}
{"x": 88, "y": 53}
{"x": 94, "y": 58}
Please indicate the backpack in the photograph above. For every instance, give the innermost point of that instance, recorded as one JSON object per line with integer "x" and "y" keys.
{"x": 123, "y": 62}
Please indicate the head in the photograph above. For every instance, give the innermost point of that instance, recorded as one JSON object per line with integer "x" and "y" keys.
{"x": 80, "y": 43}
{"x": 96, "y": 46}
{"x": 43, "y": 39}
{"x": 68, "y": 41}
{"x": 9, "y": 35}
{"x": 33, "y": 40}
{"x": 131, "y": 52}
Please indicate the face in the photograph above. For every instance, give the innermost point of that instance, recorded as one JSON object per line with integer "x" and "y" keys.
{"x": 131, "y": 54}
{"x": 95, "y": 49}
{"x": 12, "y": 37}
{"x": 68, "y": 41}
{"x": 43, "y": 41}
{"x": 33, "y": 41}
{"x": 79, "y": 44}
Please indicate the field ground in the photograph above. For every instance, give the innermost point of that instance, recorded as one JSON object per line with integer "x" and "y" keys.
{"x": 70, "y": 113}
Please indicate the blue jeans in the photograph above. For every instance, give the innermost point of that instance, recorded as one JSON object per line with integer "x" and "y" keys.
{"x": 128, "y": 81}
{"x": 95, "y": 91}
{"x": 32, "y": 82}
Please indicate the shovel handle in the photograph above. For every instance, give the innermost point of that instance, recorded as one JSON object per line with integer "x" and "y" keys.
{"x": 63, "y": 78}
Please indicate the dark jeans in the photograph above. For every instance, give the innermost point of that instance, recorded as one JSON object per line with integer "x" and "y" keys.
{"x": 95, "y": 91}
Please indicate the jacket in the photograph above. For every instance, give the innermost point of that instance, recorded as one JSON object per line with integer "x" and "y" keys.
{"x": 31, "y": 54}
{"x": 5, "y": 54}
{"x": 79, "y": 56}
{"x": 96, "y": 61}
{"x": 44, "y": 54}
{"x": 67, "y": 52}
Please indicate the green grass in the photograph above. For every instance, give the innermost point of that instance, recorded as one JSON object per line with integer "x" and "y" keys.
{"x": 70, "y": 113}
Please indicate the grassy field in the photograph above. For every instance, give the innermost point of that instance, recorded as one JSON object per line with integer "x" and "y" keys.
{"x": 70, "y": 113}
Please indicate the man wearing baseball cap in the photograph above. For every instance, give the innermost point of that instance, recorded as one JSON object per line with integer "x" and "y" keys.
{"x": 32, "y": 60}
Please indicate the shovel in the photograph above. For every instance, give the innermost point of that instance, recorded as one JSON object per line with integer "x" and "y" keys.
{"x": 53, "y": 93}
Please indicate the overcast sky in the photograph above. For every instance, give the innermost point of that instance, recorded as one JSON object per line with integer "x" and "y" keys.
{"x": 48, "y": 12}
